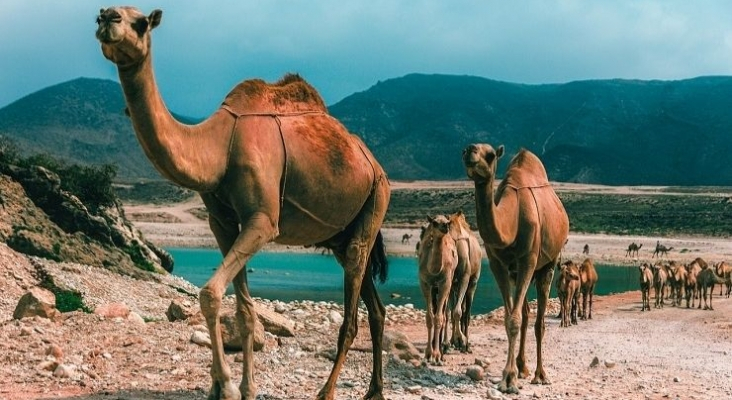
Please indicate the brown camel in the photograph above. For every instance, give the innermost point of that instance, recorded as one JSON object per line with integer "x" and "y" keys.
{"x": 568, "y": 285}
{"x": 725, "y": 271}
{"x": 523, "y": 227}
{"x": 691, "y": 283}
{"x": 646, "y": 280}
{"x": 465, "y": 280}
{"x": 706, "y": 280}
{"x": 270, "y": 165}
{"x": 588, "y": 280}
{"x": 586, "y": 249}
{"x": 633, "y": 249}
{"x": 659, "y": 283}
{"x": 677, "y": 280}
{"x": 405, "y": 238}
{"x": 661, "y": 250}
{"x": 438, "y": 258}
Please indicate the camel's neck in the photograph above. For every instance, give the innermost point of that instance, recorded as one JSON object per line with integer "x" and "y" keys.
{"x": 497, "y": 223}
{"x": 194, "y": 157}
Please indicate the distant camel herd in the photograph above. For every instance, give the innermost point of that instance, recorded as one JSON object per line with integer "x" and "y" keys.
{"x": 660, "y": 250}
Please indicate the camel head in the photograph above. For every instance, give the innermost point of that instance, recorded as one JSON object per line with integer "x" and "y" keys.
{"x": 481, "y": 161}
{"x": 124, "y": 33}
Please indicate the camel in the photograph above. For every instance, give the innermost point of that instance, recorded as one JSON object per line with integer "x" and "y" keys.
{"x": 677, "y": 280}
{"x": 588, "y": 280}
{"x": 691, "y": 283}
{"x": 586, "y": 249}
{"x": 661, "y": 250}
{"x": 633, "y": 249}
{"x": 568, "y": 285}
{"x": 659, "y": 283}
{"x": 725, "y": 271}
{"x": 465, "y": 280}
{"x": 405, "y": 238}
{"x": 706, "y": 280}
{"x": 270, "y": 165}
{"x": 523, "y": 227}
{"x": 438, "y": 258}
{"x": 646, "y": 280}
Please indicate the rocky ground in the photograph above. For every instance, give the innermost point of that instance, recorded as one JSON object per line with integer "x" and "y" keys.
{"x": 665, "y": 353}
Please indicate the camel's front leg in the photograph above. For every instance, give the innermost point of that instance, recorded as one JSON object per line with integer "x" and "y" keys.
{"x": 543, "y": 280}
{"x": 377, "y": 315}
{"x": 523, "y": 369}
{"x": 429, "y": 319}
{"x": 441, "y": 319}
{"x": 257, "y": 231}
{"x": 458, "y": 338}
{"x": 509, "y": 382}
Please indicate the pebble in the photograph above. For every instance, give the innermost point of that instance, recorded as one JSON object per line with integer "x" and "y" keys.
{"x": 201, "y": 338}
{"x": 494, "y": 394}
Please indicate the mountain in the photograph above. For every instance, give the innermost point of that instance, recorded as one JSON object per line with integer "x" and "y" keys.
{"x": 81, "y": 121}
{"x": 616, "y": 132}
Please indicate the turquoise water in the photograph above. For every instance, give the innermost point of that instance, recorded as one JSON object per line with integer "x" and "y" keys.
{"x": 292, "y": 276}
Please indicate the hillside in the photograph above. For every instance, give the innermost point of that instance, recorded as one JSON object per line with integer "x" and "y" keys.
{"x": 615, "y": 132}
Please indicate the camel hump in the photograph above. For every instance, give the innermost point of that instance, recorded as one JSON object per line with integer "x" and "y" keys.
{"x": 290, "y": 94}
{"x": 525, "y": 169}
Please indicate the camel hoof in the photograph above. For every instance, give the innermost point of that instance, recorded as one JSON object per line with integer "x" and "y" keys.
{"x": 228, "y": 392}
{"x": 540, "y": 381}
{"x": 508, "y": 389}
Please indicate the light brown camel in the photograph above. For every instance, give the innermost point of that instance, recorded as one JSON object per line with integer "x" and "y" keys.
{"x": 465, "y": 280}
{"x": 706, "y": 280}
{"x": 677, "y": 278}
{"x": 659, "y": 283}
{"x": 633, "y": 249}
{"x": 438, "y": 259}
{"x": 646, "y": 280}
{"x": 725, "y": 271}
{"x": 568, "y": 285}
{"x": 270, "y": 165}
{"x": 588, "y": 280}
{"x": 523, "y": 227}
{"x": 691, "y": 283}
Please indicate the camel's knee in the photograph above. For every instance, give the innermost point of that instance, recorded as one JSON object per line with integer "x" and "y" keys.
{"x": 247, "y": 315}
{"x": 210, "y": 301}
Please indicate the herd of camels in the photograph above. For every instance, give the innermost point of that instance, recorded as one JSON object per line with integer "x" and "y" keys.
{"x": 272, "y": 165}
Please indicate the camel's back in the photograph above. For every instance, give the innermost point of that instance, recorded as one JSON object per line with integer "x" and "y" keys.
{"x": 291, "y": 94}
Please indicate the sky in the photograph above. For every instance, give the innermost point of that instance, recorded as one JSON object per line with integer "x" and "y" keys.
{"x": 202, "y": 49}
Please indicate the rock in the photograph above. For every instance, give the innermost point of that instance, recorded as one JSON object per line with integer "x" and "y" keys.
{"x": 231, "y": 334}
{"x": 48, "y": 365}
{"x": 395, "y": 295}
{"x": 180, "y": 311}
{"x": 201, "y": 339}
{"x": 595, "y": 362}
{"x": 398, "y": 343}
{"x": 494, "y": 394}
{"x": 609, "y": 363}
{"x": 481, "y": 362}
{"x": 414, "y": 389}
{"x": 475, "y": 373}
{"x": 113, "y": 310}
{"x": 335, "y": 317}
{"x": 135, "y": 319}
{"x": 677, "y": 379}
{"x": 55, "y": 351}
{"x": 275, "y": 323}
{"x": 64, "y": 371}
{"x": 36, "y": 302}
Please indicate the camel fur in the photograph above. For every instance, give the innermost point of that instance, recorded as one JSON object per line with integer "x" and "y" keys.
{"x": 568, "y": 286}
{"x": 588, "y": 280}
{"x": 438, "y": 258}
{"x": 646, "y": 280}
{"x": 465, "y": 279}
{"x": 270, "y": 165}
{"x": 523, "y": 226}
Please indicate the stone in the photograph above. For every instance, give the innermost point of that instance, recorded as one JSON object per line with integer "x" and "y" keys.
{"x": 36, "y": 302}
{"x": 475, "y": 373}
{"x": 398, "y": 343}
{"x": 595, "y": 362}
{"x": 55, "y": 351}
{"x": 494, "y": 394}
{"x": 201, "y": 339}
{"x": 275, "y": 323}
{"x": 113, "y": 310}
{"x": 609, "y": 363}
{"x": 180, "y": 311}
{"x": 335, "y": 317}
{"x": 135, "y": 319}
{"x": 231, "y": 334}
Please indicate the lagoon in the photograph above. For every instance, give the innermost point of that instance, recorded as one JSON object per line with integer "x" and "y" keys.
{"x": 309, "y": 276}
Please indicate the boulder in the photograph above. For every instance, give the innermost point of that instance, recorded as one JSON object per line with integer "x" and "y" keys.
{"x": 180, "y": 311}
{"x": 275, "y": 323}
{"x": 398, "y": 343}
{"x": 231, "y": 334}
{"x": 36, "y": 302}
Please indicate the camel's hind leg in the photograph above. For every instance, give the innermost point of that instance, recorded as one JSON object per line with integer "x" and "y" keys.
{"x": 354, "y": 256}
{"x": 377, "y": 315}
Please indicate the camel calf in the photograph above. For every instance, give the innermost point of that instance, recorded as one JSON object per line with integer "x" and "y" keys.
{"x": 568, "y": 284}
{"x": 646, "y": 280}
{"x": 659, "y": 283}
{"x": 588, "y": 280}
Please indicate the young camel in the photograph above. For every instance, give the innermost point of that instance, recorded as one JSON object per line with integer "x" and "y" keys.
{"x": 568, "y": 285}
{"x": 438, "y": 258}
{"x": 646, "y": 280}
{"x": 465, "y": 281}
{"x": 588, "y": 280}
{"x": 523, "y": 226}
{"x": 725, "y": 271}
{"x": 270, "y": 165}
{"x": 659, "y": 283}
{"x": 706, "y": 280}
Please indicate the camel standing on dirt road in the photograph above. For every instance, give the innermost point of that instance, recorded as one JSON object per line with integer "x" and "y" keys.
{"x": 270, "y": 165}
{"x": 691, "y": 283}
{"x": 438, "y": 259}
{"x": 725, "y": 271}
{"x": 646, "y": 280}
{"x": 523, "y": 226}
{"x": 588, "y": 280}
{"x": 677, "y": 281}
{"x": 661, "y": 250}
{"x": 568, "y": 285}
{"x": 706, "y": 280}
{"x": 659, "y": 283}
{"x": 633, "y": 249}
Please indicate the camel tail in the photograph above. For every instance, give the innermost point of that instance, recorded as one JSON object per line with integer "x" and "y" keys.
{"x": 377, "y": 260}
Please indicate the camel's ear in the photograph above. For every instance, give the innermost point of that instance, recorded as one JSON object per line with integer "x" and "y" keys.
{"x": 154, "y": 18}
{"x": 499, "y": 151}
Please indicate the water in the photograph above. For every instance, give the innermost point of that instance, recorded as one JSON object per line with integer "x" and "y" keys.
{"x": 296, "y": 276}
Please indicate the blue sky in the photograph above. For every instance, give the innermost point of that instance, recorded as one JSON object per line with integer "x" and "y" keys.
{"x": 203, "y": 48}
